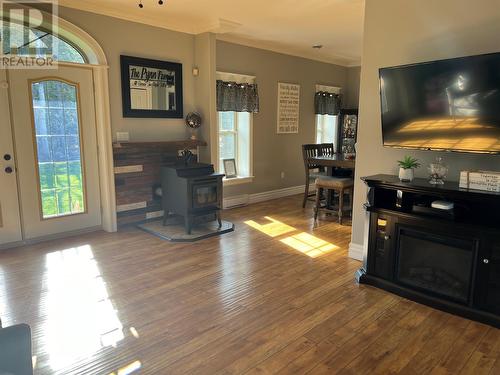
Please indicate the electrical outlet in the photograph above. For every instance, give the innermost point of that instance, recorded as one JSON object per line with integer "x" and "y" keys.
{"x": 122, "y": 136}
{"x": 282, "y": 174}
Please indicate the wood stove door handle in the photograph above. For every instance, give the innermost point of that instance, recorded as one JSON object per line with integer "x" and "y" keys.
{"x": 486, "y": 261}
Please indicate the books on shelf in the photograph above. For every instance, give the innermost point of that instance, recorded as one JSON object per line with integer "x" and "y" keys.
{"x": 480, "y": 180}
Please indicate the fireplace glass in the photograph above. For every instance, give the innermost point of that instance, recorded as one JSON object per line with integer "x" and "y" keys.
{"x": 437, "y": 263}
{"x": 204, "y": 195}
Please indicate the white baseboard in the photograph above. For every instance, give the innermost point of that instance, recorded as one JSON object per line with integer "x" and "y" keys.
{"x": 243, "y": 200}
{"x": 356, "y": 251}
{"x": 50, "y": 237}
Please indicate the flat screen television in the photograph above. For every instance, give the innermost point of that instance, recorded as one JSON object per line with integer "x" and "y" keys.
{"x": 451, "y": 105}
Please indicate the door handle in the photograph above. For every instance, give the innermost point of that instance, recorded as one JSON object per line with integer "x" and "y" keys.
{"x": 7, "y": 157}
{"x": 9, "y": 170}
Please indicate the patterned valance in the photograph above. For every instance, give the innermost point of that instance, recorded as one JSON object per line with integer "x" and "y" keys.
{"x": 237, "y": 97}
{"x": 326, "y": 103}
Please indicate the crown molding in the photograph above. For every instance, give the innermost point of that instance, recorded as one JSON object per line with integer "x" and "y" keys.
{"x": 150, "y": 21}
{"x": 222, "y": 28}
{"x": 341, "y": 60}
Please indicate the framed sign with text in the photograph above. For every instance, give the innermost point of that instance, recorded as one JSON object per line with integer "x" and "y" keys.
{"x": 151, "y": 88}
{"x": 288, "y": 108}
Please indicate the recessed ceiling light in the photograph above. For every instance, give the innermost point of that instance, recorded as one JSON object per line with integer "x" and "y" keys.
{"x": 318, "y": 46}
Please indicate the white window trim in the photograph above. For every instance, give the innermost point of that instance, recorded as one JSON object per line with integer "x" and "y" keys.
{"x": 237, "y": 180}
{"x": 238, "y": 78}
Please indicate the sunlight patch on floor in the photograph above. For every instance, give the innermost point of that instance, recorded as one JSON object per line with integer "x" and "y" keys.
{"x": 81, "y": 318}
{"x": 129, "y": 369}
{"x": 274, "y": 229}
{"x": 303, "y": 242}
{"x": 309, "y": 245}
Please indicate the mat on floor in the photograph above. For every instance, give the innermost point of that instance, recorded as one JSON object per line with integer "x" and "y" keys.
{"x": 177, "y": 233}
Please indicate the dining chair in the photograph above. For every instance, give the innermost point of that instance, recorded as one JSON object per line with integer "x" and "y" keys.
{"x": 339, "y": 185}
{"x": 312, "y": 170}
{"x": 326, "y": 149}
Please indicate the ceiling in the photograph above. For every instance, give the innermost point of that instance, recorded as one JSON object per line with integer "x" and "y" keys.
{"x": 286, "y": 26}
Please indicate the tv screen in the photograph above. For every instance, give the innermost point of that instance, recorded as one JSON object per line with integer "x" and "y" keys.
{"x": 443, "y": 105}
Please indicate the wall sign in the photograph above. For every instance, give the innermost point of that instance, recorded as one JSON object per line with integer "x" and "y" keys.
{"x": 288, "y": 108}
{"x": 151, "y": 88}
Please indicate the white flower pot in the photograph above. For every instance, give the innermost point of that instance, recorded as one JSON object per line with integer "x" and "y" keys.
{"x": 406, "y": 175}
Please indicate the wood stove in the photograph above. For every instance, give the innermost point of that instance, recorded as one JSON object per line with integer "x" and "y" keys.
{"x": 193, "y": 191}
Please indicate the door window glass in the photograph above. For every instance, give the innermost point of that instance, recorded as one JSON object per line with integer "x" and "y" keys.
{"x": 58, "y": 148}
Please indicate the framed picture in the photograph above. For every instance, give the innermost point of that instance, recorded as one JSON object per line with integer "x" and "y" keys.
{"x": 151, "y": 88}
{"x": 288, "y": 108}
{"x": 230, "y": 168}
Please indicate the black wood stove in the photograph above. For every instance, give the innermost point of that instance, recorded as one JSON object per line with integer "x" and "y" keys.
{"x": 193, "y": 191}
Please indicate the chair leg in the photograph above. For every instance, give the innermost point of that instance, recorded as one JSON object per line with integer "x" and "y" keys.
{"x": 341, "y": 205}
{"x": 306, "y": 192}
{"x": 317, "y": 203}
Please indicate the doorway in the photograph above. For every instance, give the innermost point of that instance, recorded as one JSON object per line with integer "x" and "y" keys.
{"x": 56, "y": 167}
{"x": 54, "y": 138}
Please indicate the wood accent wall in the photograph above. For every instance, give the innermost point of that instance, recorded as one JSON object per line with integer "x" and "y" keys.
{"x": 137, "y": 173}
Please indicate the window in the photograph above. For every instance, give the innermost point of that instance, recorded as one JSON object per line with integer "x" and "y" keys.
{"x": 237, "y": 101}
{"x": 327, "y": 104}
{"x": 58, "y": 150}
{"x": 38, "y": 39}
{"x": 235, "y": 141}
{"x": 327, "y": 129}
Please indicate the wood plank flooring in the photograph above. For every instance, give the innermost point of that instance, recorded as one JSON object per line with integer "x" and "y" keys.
{"x": 277, "y": 296}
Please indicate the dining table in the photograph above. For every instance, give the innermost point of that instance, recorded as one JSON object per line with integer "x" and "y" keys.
{"x": 334, "y": 161}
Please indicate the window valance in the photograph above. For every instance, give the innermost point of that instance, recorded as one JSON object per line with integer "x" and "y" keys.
{"x": 237, "y": 97}
{"x": 326, "y": 103}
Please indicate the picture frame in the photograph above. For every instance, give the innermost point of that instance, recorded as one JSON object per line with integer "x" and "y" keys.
{"x": 151, "y": 88}
{"x": 230, "y": 168}
{"x": 288, "y": 108}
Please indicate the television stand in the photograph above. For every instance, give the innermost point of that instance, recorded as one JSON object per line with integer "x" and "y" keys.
{"x": 447, "y": 259}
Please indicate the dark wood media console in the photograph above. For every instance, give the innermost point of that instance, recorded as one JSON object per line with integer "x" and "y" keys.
{"x": 449, "y": 260}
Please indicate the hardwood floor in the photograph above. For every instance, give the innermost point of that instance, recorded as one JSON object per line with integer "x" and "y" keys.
{"x": 275, "y": 296}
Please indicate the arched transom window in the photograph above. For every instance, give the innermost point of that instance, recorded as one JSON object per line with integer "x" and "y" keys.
{"x": 25, "y": 41}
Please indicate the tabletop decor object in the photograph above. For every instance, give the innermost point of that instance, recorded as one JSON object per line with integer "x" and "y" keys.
{"x": 406, "y": 168}
{"x": 437, "y": 172}
{"x": 193, "y": 122}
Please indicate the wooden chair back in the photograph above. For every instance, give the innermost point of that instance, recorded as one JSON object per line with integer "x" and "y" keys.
{"x": 326, "y": 149}
{"x": 310, "y": 151}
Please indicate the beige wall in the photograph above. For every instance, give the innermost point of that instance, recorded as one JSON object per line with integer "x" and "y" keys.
{"x": 118, "y": 37}
{"x": 401, "y": 32}
{"x": 273, "y": 153}
{"x": 351, "y": 98}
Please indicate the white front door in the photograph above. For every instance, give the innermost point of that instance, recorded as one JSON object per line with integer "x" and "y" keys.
{"x": 10, "y": 223}
{"x": 53, "y": 121}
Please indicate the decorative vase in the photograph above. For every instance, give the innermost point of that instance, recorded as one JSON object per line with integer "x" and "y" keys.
{"x": 406, "y": 175}
{"x": 437, "y": 172}
{"x": 193, "y": 122}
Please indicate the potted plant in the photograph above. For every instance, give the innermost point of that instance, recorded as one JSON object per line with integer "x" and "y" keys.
{"x": 406, "y": 168}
